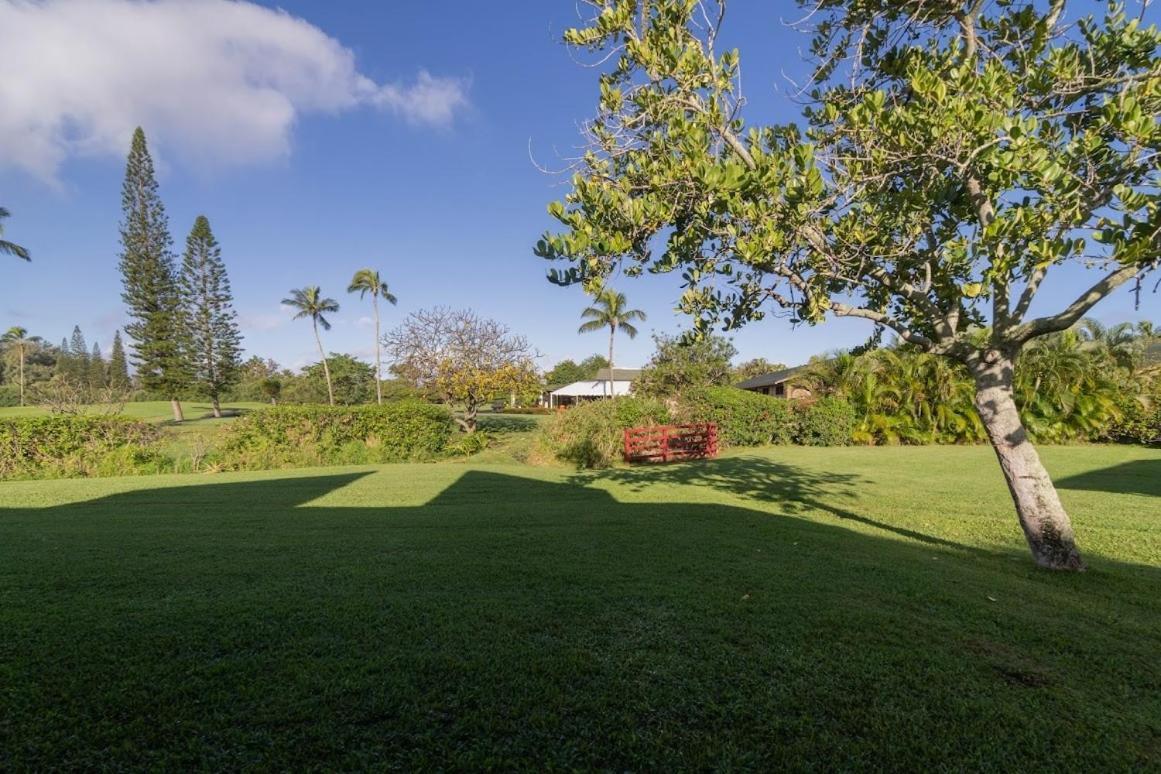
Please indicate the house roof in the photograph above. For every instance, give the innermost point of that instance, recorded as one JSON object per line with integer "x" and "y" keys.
{"x": 594, "y": 388}
{"x": 623, "y": 374}
{"x": 769, "y": 380}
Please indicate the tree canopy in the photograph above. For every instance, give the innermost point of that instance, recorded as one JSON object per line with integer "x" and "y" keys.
{"x": 462, "y": 357}
{"x": 952, "y": 156}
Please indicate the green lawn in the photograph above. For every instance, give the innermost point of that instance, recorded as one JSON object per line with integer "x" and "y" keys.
{"x": 150, "y": 411}
{"x": 801, "y": 608}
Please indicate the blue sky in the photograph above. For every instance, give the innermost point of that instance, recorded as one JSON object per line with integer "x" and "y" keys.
{"x": 434, "y": 187}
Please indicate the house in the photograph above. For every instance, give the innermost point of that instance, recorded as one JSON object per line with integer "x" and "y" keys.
{"x": 594, "y": 389}
{"x": 781, "y": 384}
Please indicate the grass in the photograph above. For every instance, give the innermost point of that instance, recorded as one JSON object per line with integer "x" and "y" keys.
{"x": 196, "y": 411}
{"x": 792, "y": 608}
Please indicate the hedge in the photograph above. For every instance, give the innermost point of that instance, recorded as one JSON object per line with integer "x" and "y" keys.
{"x": 285, "y": 436}
{"x": 825, "y": 422}
{"x": 591, "y": 435}
{"x": 77, "y": 445}
{"x": 743, "y": 418}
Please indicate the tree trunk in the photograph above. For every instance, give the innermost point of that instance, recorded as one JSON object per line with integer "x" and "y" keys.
{"x": 1042, "y": 516}
{"x": 326, "y": 368}
{"x": 612, "y": 333}
{"x": 217, "y": 406}
{"x": 468, "y": 423}
{"x": 175, "y": 404}
{"x": 378, "y": 354}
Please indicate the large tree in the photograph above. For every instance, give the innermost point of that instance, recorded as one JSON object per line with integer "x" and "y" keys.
{"x": 149, "y": 282}
{"x": 215, "y": 343}
{"x": 310, "y": 302}
{"x": 678, "y": 365}
{"x": 462, "y": 357}
{"x": 955, "y": 154}
{"x": 10, "y": 248}
{"x": 368, "y": 281}
{"x": 610, "y": 309}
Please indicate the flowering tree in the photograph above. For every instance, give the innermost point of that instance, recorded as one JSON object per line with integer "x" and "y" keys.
{"x": 461, "y": 357}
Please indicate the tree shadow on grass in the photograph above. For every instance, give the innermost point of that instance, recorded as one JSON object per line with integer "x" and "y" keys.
{"x": 1136, "y": 477}
{"x": 517, "y": 623}
{"x": 794, "y": 489}
{"x": 506, "y": 423}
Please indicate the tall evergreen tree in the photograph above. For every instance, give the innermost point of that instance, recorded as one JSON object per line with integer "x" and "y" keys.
{"x": 208, "y": 309}
{"x": 98, "y": 376}
{"x": 118, "y": 365}
{"x": 78, "y": 356}
{"x": 64, "y": 362}
{"x": 157, "y": 332}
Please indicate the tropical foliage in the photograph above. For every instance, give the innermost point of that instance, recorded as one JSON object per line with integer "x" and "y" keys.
{"x": 1077, "y": 385}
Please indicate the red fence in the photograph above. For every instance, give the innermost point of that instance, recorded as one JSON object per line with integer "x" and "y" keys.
{"x": 666, "y": 443}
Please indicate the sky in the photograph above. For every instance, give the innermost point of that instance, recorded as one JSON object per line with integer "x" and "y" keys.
{"x": 321, "y": 137}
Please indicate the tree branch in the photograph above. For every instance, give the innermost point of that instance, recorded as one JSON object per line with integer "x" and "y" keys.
{"x": 905, "y": 333}
{"x": 1077, "y": 309}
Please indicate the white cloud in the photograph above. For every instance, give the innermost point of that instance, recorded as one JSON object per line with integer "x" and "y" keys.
{"x": 216, "y": 82}
{"x": 266, "y": 321}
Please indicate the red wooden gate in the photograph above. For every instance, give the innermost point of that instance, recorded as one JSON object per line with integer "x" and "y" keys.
{"x": 666, "y": 443}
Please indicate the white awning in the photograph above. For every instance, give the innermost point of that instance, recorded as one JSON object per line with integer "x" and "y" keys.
{"x": 592, "y": 389}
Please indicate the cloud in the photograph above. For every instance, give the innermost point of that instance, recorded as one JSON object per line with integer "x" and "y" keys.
{"x": 217, "y": 82}
{"x": 265, "y": 321}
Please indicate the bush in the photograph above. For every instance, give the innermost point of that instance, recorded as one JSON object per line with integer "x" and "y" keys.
{"x": 591, "y": 435}
{"x": 468, "y": 444}
{"x": 284, "y": 436}
{"x": 743, "y": 418}
{"x": 9, "y": 395}
{"x": 72, "y": 445}
{"x": 826, "y": 422}
{"x": 1139, "y": 419}
{"x": 526, "y": 410}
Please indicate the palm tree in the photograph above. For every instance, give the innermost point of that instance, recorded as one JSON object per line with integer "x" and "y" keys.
{"x": 310, "y": 303}
{"x": 367, "y": 281}
{"x": 1122, "y": 343}
{"x": 18, "y": 337}
{"x": 610, "y": 310}
{"x": 10, "y": 248}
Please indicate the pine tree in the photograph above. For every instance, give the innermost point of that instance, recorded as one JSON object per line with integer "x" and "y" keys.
{"x": 98, "y": 376}
{"x": 78, "y": 356}
{"x": 118, "y": 366}
{"x": 157, "y": 331}
{"x": 207, "y": 306}
{"x": 64, "y": 368}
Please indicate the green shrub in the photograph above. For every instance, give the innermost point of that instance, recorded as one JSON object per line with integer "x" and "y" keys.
{"x": 526, "y": 410}
{"x": 468, "y": 444}
{"x": 66, "y": 445}
{"x": 826, "y": 422}
{"x": 285, "y": 436}
{"x": 9, "y": 395}
{"x": 1139, "y": 420}
{"x": 591, "y": 435}
{"x": 743, "y": 418}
